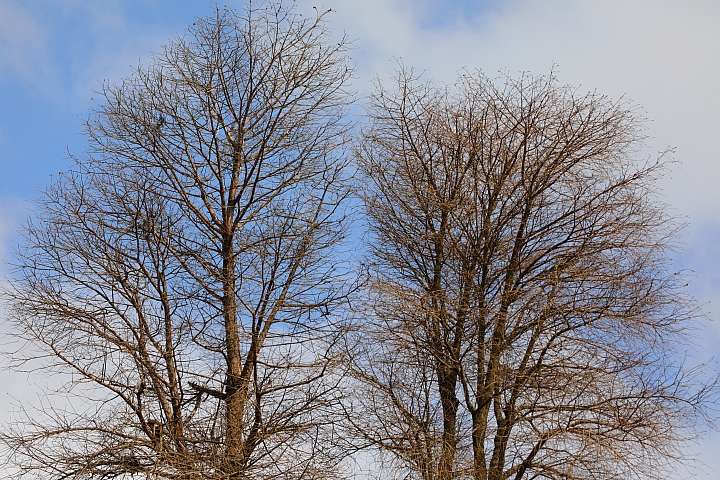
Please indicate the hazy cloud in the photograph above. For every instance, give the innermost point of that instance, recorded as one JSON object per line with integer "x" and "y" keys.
{"x": 22, "y": 41}
{"x": 662, "y": 54}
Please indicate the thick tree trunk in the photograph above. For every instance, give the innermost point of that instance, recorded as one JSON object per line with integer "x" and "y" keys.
{"x": 447, "y": 380}
{"x": 233, "y": 387}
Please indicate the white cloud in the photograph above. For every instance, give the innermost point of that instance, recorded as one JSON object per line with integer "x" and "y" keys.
{"x": 15, "y": 388}
{"x": 22, "y": 41}
{"x": 12, "y": 213}
{"x": 662, "y": 54}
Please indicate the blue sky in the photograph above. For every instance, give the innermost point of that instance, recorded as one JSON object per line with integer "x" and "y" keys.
{"x": 54, "y": 54}
{"x": 662, "y": 54}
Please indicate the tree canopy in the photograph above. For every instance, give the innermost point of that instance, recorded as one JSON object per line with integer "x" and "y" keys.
{"x": 515, "y": 311}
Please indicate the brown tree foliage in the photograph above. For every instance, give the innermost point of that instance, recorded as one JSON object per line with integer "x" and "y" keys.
{"x": 527, "y": 319}
{"x": 183, "y": 276}
{"x": 186, "y": 279}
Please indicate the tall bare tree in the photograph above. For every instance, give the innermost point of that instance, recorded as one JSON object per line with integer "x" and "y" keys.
{"x": 185, "y": 274}
{"x": 533, "y": 324}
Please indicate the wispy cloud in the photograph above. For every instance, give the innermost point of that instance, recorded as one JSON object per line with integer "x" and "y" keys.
{"x": 662, "y": 54}
{"x": 22, "y": 42}
{"x": 13, "y": 212}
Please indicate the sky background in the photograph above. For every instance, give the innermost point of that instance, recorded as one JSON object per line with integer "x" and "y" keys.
{"x": 663, "y": 55}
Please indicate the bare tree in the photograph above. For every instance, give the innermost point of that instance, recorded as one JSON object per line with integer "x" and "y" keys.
{"x": 533, "y": 325}
{"x": 186, "y": 276}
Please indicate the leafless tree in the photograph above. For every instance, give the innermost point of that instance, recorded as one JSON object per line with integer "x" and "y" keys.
{"x": 186, "y": 275}
{"x": 528, "y": 322}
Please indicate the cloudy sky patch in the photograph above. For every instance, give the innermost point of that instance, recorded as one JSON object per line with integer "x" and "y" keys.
{"x": 663, "y": 55}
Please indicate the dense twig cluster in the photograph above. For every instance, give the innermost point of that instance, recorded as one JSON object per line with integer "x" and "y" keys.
{"x": 184, "y": 267}
{"x": 520, "y": 318}
{"x": 527, "y": 321}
